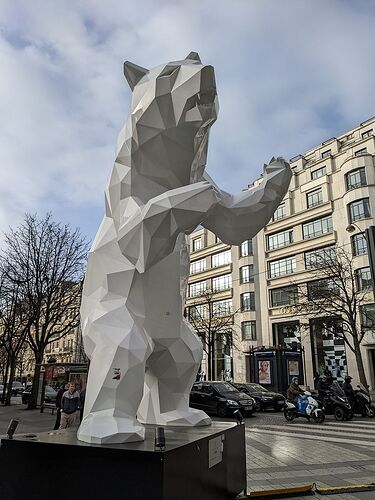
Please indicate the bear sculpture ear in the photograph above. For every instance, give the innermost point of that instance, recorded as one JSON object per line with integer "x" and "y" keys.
{"x": 194, "y": 56}
{"x": 133, "y": 73}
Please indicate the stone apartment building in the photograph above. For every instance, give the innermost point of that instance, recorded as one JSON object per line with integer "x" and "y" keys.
{"x": 69, "y": 349}
{"x": 333, "y": 187}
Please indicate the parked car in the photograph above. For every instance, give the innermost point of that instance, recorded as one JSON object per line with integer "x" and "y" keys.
{"x": 49, "y": 394}
{"x": 220, "y": 398}
{"x": 264, "y": 398}
{"x": 17, "y": 388}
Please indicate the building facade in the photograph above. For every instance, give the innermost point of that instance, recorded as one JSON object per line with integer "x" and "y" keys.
{"x": 226, "y": 275}
{"x": 330, "y": 203}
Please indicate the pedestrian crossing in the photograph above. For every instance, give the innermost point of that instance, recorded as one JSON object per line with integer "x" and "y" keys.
{"x": 355, "y": 433}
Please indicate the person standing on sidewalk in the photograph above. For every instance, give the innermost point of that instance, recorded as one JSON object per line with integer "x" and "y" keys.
{"x": 64, "y": 387}
{"x": 70, "y": 404}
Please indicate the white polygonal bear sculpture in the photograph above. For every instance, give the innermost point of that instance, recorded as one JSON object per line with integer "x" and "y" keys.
{"x": 144, "y": 354}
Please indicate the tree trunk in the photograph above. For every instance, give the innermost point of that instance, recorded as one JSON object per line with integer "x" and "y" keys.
{"x": 359, "y": 360}
{"x": 34, "y": 390}
{"x": 5, "y": 380}
{"x": 12, "y": 371}
{"x": 209, "y": 363}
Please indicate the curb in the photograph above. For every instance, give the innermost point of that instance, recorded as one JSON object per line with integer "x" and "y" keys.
{"x": 352, "y": 488}
{"x": 305, "y": 490}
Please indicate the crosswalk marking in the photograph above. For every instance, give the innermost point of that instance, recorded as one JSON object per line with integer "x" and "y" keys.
{"x": 315, "y": 428}
{"x": 368, "y": 425}
{"x": 360, "y": 435}
{"x": 314, "y": 437}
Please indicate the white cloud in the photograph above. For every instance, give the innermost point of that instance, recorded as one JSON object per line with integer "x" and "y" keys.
{"x": 290, "y": 74}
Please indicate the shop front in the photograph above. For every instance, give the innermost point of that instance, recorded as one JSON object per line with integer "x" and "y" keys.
{"x": 328, "y": 347}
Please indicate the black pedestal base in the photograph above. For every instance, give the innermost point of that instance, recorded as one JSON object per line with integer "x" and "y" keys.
{"x": 204, "y": 463}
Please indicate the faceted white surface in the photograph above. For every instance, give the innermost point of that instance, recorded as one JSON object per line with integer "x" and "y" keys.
{"x": 144, "y": 354}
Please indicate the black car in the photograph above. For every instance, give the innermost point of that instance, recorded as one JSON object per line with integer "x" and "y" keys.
{"x": 220, "y": 398}
{"x": 264, "y": 398}
{"x": 49, "y": 394}
{"x": 17, "y": 388}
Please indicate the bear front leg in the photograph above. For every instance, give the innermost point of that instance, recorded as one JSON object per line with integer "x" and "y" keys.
{"x": 150, "y": 235}
{"x": 237, "y": 218}
{"x": 115, "y": 388}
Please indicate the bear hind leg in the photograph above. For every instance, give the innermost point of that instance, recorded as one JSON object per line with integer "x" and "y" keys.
{"x": 171, "y": 372}
{"x": 114, "y": 392}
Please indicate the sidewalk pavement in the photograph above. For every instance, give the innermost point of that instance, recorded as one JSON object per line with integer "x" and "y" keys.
{"x": 30, "y": 421}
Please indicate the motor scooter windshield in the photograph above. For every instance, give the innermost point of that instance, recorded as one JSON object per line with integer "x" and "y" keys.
{"x": 363, "y": 389}
{"x": 337, "y": 389}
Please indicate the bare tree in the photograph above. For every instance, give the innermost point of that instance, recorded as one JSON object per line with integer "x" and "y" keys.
{"x": 46, "y": 260}
{"x": 3, "y": 364}
{"x": 335, "y": 292}
{"x": 213, "y": 323}
{"x": 15, "y": 321}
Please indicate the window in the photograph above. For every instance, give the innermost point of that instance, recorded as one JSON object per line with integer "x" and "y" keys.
{"x": 368, "y": 133}
{"x": 359, "y": 244}
{"x": 221, "y": 259}
{"x": 356, "y": 178}
{"x": 248, "y": 329}
{"x": 368, "y": 316}
{"x": 346, "y": 138}
{"x": 196, "y": 289}
{"x": 246, "y": 274}
{"x": 317, "y": 227}
{"x": 361, "y": 152}
{"x": 281, "y": 267}
{"x": 198, "y": 312}
{"x": 363, "y": 278}
{"x": 221, "y": 282}
{"x": 222, "y": 308}
{"x": 281, "y": 239}
{"x": 285, "y": 296}
{"x": 317, "y": 258}
{"x": 248, "y": 301}
{"x": 359, "y": 209}
{"x": 326, "y": 153}
{"x": 197, "y": 266}
{"x": 319, "y": 289}
{"x": 314, "y": 198}
{"x": 319, "y": 172}
{"x": 246, "y": 248}
{"x": 280, "y": 212}
{"x": 286, "y": 334}
{"x": 197, "y": 244}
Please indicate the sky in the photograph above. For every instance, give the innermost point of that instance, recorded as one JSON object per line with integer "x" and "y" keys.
{"x": 290, "y": 74}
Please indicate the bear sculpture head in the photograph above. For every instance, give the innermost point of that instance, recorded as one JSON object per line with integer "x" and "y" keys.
{"x": 172, "y": 108}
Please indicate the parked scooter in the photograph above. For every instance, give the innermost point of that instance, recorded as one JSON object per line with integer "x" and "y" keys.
{"x": 362, "y": 402}
{"x": 306, "y": 406}
{"x": 336, "y": 403}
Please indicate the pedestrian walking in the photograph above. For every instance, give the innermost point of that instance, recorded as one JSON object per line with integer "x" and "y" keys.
{"x": 63, "y": 387}
{"x": 70, "y": 405}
